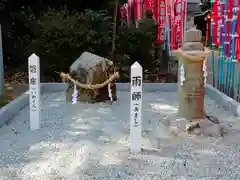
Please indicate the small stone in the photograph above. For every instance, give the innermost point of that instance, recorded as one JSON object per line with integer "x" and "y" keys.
{"x": 161, "y": 130}
{"x": 166, "y": 122}
{"x": 196, "y": 131}
{"x": 192, "y": 125}
{"x": 174, "y": 131}
{"x": 209, "y": 128}
{"x": 15, "y": 131}
{"x": 184, "y": 164}
{"x": 158, "y": 144}
{"x": 104, "y": 139}
{"x": 223, "y": 131}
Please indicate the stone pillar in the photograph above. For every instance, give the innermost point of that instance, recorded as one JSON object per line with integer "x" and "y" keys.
{"x": 191, "y": 57}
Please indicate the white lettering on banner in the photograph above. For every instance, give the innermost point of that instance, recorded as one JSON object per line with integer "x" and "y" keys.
{"x": 178, "y": 8}
{"x": 178, "y": 29}
{"x": 34, "y": 91}
{"x": 136, "y": 108}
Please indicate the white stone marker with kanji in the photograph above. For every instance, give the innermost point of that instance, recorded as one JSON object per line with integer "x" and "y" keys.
{"x": 34, "y": 91}
{"x": 136, "y": 108}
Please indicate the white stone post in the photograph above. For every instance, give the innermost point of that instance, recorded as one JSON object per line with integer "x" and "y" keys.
{"x": 136, "y": 108}
{"x": 34, "y": 91}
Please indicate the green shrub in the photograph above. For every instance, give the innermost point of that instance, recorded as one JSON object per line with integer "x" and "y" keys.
{"x": 3, "y": 102}
{"x": 65, "y": 35}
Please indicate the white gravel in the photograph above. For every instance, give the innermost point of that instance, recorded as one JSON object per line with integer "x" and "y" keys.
{"x": 90, "y": 141}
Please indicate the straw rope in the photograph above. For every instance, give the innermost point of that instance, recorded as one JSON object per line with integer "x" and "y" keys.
{"x": 65, "y": 77}
{"x": 199, "y": 55}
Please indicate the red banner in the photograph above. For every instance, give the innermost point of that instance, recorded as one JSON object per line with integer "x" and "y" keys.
{"x": 219, "y": 18}
{"x": 237, "y": 43}
{"x": 161, "y": 22}
{"x": 138, "y": 9}
{"x": 124, "y": 11}
{"x": 159, "y": 12}
{"x": 147, "y": 5}
{"x": 217, "y": 12}
{"x": 184, "y": 18}
{"x": 228, "y": 28}
{"x": 171, "y": 23}
{"x": 180, "y": 12}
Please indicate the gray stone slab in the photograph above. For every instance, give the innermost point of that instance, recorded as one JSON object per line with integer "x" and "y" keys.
{"x": 12, "y": 109}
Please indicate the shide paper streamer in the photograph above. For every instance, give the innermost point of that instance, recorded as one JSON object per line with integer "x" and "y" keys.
{"x": 205, "y": 74}
{"x": 110, "y": 92}
{"x": 182, "y": 75}
{"x": 74, "y": 95}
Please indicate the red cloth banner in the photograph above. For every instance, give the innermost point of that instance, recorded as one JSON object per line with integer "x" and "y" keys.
{"x": 219, "y": 18}
{"x": 208, "y": 27}
{"x": 171, "y": 22}
{"x": 217, "y": 12}
{"x": 237, "y": 42}
{"x": 147, "y": 4}
{"x": 138, "y": 10}
{"x": 179, "y": 21}
{"x": 124, "y": 12}
{"x": 131, "y": 11}
{"x": 159, "y": 12}
{"x": 161, "y": 22}
{"x": 184, "y": 13}
{"x": 126, "y": 8}
{"x": 228, "y": 28}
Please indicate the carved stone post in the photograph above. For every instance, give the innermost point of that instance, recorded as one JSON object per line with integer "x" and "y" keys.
{"x": 191, "y": 78}
{"x": 192, "y": 57}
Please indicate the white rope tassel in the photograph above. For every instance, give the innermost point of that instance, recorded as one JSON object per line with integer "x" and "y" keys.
{"x": 110, "y": 92}
{"x": 74, "y": 95}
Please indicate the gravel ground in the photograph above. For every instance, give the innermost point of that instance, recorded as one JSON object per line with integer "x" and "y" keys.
{"x": 90, "y": 141}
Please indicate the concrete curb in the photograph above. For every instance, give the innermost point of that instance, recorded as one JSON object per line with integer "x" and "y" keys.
{"x": 223, "y": 100}
{"x": 12, "y": 109}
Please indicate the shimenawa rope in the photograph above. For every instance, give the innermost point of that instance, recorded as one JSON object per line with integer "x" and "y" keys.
{"x": 90, "y": 86}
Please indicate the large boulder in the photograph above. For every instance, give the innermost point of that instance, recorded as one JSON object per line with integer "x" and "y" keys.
{"x": 91, "y": 69}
